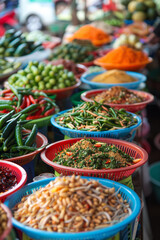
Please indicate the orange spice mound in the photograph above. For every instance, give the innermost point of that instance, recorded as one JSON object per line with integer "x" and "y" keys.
{"x": 124, "y": 56}
{"x": 93, "y": 34}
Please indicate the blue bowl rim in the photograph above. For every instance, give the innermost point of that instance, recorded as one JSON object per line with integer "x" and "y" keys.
{"x": 55, "y": 124}
{"x": 134, "y": 197}
{"x": 129, "y": 84}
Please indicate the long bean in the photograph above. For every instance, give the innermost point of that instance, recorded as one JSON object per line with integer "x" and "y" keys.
{"x": 96, "y": 116}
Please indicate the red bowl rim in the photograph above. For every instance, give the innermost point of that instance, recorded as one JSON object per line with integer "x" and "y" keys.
{"x": 56, "y": 91}
{"x": 9, "y": 223}
{"x": 21, "y": 182}
{"x": 149, "y": 98}
{"x": 106, "y": 140}
{"x": 45, "y": 142}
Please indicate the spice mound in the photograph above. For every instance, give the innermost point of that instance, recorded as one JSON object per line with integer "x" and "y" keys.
{"x": 72, "y": 204}
{"x": 90, "y": 154}
{"x": 93, "y": 116}
{"x": 3, "y": 220}
{"x": 95, "y": 35}
{"x": 114, "y": 76}
{"x": 125, "y": 56}
{"x": 7, "y": 179}
{"x": 118, "y": 95}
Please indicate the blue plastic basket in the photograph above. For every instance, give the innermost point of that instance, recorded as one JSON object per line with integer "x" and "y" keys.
{"x": 149, "y": 22}
{"x": 101, "y": 234}
{"x": 86, "y": 78}
{"x": 118, "y": 133}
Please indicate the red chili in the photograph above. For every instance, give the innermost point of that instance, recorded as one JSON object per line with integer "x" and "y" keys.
{"x": 49, "y": 112}
{"x": 38, "y": 112}
{"x": 34, "y": 117}
{"x": 32, "y": 100}
{"x": 23, "y": 105}
{"x": 28, "y": 102}
{"x": 42, "y": 101}
{"x": 108, "y": 161}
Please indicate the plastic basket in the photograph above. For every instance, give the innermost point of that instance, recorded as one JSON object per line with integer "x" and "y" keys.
{"x": 135, "y": 107}
{"x": 101, "y": 234}
{"x": 41, "y": 142}
{"x": 87, "y": 78}
{"x": 20, "y": 174}
{"x": 114, "y": 174}
{"x": 118, "y": 133}
{"x": 9, "y": 223}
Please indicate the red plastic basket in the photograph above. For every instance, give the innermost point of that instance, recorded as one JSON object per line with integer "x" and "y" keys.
{"x": 63, "y": 92}
{"x": 41, "y": 142}
{"x": 114, "y": 174}
{"x": 135, "y": 107}
{"x": 20, "y": 174}
{"x": 9, "y": 223}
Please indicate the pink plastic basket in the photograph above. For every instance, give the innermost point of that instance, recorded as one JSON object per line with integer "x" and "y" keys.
{"x": 9, "y": 223}
{"x": 114, "y": 174}
{"x": 20, "y": 174}
{"x": 135, "y": 107}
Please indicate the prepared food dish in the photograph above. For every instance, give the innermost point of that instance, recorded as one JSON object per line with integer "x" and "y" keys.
{"x": 118, "y": 95}
{"x": 72, "y": 204}
{"x": 90, "y": 154}
{"x": 93, "y": 116}
{"x": 7, "y": 179}
{"x": 114, "y": 76}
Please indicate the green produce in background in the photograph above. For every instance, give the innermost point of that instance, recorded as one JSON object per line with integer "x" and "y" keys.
{"x": 78, "y": 53}
{"x": 8, "y": 66}
{"x": 14, "y": 44}
{"x": 41, "y": 76}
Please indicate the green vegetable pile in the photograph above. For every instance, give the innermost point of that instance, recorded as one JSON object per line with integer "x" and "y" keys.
{"x": 8, "y": 66}
{"x": 14, "y": 140}
{"x": 73, "y": 51}
{"x": 93, "y": 116}
{"x": 14, "y": 44}
{"x": 41, "y": 76}
{"x": 90, "y": 154}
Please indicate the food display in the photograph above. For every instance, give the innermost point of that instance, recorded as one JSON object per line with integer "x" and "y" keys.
{"x": 91, "y": 33}
{"x": 118, "y": 95}
{"x": 8, "y": 66}
{"x": 123, "y": 57}
{"x": 129, "y": 40}
{"x": 7, "y": 179}
{"x": 141, "y": 10}
{"x": 93, "y": 116}
{"x": 72, "y": 51}
{"x": 3, "y": 220}
{"x": 37, "y": 36}
{"x": 31, "y": 105}
{"x": 114, "y": 76}
{"x": 113, "y": 18}
{"x": 140, "y": 29}
{"x": 77, "y": 69}
{"x": 41, "y": 76}
{"x": 14, "y": 140}
{"x": 90, "y": 154}
{"x": 78, "y": 205}
{"x": 14, "y": 44}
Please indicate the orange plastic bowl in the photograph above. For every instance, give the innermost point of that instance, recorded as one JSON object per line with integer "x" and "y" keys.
{"x": 41, "y": 142}
{"x": 132, "y": 67}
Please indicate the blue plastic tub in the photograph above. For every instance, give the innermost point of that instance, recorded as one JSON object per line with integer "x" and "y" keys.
{"x": 86, "y": 78}
{"x": 149, "y": 22}
{"x": 120, "y": 133}
{"x": 100, "y": 234}
{"x": 155, "y": 179}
